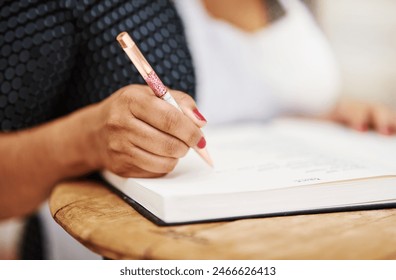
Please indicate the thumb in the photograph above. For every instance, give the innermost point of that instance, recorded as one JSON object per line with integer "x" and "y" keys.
{"x": 189, "y": 107}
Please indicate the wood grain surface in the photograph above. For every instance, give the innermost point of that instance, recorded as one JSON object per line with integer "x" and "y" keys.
{"x": 107, "y": 225}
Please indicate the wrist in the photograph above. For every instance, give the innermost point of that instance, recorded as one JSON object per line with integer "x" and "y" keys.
{"x": 89, "y": 137}
{"x": 73, "y": 143}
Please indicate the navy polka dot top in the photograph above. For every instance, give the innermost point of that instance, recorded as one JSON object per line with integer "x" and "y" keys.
{"x": 58, "y": 56}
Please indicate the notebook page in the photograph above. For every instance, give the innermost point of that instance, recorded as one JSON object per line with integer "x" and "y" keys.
{"x": 280, "y": 154}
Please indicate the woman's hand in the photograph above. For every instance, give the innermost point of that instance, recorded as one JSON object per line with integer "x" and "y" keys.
{"x": 132, "y": 133}
{"x": 136, "y": 134}
{"x": 362, "y": 116}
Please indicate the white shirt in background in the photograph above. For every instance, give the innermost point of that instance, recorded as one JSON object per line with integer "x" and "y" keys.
{"x": 285, "y": 68}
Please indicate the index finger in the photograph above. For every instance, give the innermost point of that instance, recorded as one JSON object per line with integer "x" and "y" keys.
{"x": 165, "y": 117}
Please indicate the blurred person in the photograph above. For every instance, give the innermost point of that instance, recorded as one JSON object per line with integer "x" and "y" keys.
{"x": 271, "y": 52}
{"x": 71, "y": 104}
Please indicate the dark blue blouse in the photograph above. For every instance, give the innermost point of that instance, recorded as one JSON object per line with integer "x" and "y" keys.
{"x": 58, "y": 56}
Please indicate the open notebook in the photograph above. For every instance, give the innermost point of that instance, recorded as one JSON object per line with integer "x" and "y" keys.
{"x": 281, "y": 167}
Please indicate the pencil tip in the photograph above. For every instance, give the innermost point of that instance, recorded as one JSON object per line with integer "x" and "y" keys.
{"x": 209, "y": 161}
{"x": 205, "y": 156}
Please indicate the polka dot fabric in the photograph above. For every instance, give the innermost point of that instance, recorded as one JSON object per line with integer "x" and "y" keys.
{"x": 58, "y": 56}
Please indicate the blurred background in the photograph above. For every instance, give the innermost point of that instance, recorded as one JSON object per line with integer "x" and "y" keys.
{"x": 363, "y": 36}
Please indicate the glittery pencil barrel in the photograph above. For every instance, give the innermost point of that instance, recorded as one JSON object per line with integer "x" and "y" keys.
{"x": 144, "y": 68}
{"x": 153, "y": 81}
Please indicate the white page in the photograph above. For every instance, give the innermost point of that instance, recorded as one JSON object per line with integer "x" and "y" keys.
{"x": 281, "y": 154}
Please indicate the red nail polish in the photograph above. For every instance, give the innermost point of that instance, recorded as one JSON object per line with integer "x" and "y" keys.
{"x": 388, "y": 131}
{"x": 198, "y": 115}
{"x": 202, "y": 143}
{"x": 363, "y": 127}
{"x": 384, "y": 130}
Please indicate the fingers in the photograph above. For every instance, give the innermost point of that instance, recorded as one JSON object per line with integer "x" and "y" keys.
{"x": 131, "y": 171}
{"x": 384, "y": 120}
{"x": 155, "y": 141}
{"x": 165, "y": 117}
{"x": 364, "y": 115}
{"x": 129, "y": 156}
{"x": 187, "y": 104}
{"x": 142, "y": 135}
{"x": 357, "y": 116}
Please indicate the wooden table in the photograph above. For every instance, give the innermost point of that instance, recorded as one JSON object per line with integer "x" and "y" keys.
{"x": 104, "y": 223}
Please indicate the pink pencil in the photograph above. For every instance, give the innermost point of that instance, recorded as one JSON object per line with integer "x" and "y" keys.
{"x": 151, "y": 78}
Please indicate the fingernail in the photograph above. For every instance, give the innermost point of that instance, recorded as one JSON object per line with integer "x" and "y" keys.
{"x": 385, "y": 130}
{"x": 198, "y": 115}
{"x": 202, "y": 143}
{"x": 363, "y": 127}
{"x": 388, "y": 130}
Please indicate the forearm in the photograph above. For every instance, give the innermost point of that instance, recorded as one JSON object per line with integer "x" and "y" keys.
{"x": 33, "y": 160}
